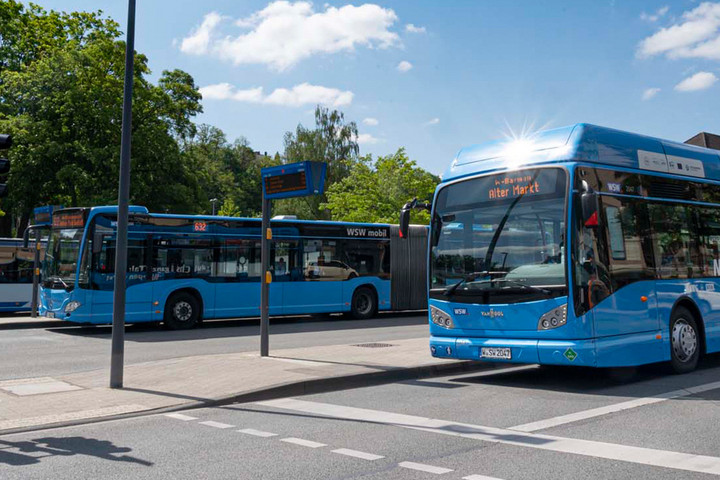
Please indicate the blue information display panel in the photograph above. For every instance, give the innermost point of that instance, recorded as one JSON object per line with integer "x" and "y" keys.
{"x": 43, "y": 215}
{"x": 294, "y": 180}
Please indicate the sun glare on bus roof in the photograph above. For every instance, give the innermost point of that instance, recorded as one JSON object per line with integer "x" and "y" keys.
{"x": 518, "y": 149}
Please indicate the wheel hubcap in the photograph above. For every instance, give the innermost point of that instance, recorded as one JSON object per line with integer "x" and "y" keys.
{"x": 363, "y": 304}
{"x": 684, "y": 340}
{"x": 182, "y": 311}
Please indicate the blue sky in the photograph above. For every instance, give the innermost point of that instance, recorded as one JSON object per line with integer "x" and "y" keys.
{"x": 464, "y": 72}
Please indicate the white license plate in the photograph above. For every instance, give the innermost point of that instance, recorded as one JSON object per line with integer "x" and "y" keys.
{"x": 491, "y": 352}
{"x": 50, "y": 314}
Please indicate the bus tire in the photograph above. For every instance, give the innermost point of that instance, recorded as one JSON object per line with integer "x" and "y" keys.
{"x": 364, "y": 304}
{"x": 182, "y": 311}
{"x": 684, "y": 341}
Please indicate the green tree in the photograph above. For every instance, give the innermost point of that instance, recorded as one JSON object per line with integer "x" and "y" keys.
{"x": 334, "y": 141}
{"x": 64, "y": 110}
{"x": 376, "y": 191}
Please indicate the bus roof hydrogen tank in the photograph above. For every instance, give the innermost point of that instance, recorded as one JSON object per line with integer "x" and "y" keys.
{"x": 581, "y": 245}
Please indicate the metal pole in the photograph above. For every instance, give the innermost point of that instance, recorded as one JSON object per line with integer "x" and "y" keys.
{"x": 213, "y": 201}
{"x": 265, "y": 278}
{"x": 118, "y": 326}
{"x": 36, "y": 276}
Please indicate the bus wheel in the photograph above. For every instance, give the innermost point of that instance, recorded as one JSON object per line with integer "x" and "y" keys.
{"x": 182, "y": 311}
{"x": 364, "y": 304}
{"x": 684, "y": 341}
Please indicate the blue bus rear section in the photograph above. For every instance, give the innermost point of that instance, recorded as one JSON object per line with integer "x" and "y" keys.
{"x": 216, "y": 261}
{"x": 656, "y": 263}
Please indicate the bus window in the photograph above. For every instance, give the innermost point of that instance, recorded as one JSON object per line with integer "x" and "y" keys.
{"x": 677, "y": 253}
{"x": 627, "y": 230}
{"x": 239, "y": 260}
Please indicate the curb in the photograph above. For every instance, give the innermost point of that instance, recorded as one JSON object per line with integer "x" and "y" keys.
{"x": 33, "y": 324}
{"x": 282, "y": 390}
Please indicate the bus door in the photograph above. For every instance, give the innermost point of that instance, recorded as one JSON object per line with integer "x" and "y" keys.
{"x": 237, "y": 280}
{"x": 316, "y": 281}
{"x": 623, "y": 288}
{"x": 138, "y": 303}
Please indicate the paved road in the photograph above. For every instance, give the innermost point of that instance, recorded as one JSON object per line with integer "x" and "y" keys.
{"x": 36, "y": 352}
{"x": 504, "y": 423}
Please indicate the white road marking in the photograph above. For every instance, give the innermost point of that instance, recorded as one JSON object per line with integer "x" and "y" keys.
{"x": 424, "y": 468}
{"x": 302, "y": 442}
{"x": 357, "y": 454}
{"x": 618, "y": 407}
{"x": 610, "y": 451}
{"x": 180, "y": 416}
{"x": 210, "y": 423}
{"x": 479, "y": 477}
{"x": 257, "y": 433}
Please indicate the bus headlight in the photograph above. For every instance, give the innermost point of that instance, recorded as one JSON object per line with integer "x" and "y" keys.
{"x": 72, "y": 306}
{"x": 557, "y": 317}
{"x": 441, "y": 318}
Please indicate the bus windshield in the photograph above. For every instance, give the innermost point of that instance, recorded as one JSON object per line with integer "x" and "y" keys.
{"x": 61, "y": 258}
{"x": 500, "y": 238}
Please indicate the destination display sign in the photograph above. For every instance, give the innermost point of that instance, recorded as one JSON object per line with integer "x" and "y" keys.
{"x": 69, "y": 220}
{"x": 291, "y": 182}
{"x": 294, "y": 180}
{"x": 506, "y": 187}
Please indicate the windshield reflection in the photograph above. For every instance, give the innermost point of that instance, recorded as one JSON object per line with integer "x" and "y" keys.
{"x": 500, "y": 238}
{"x": 61, "y": 258}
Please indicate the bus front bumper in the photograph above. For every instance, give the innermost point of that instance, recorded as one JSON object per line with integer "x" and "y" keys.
{"x": 546, "y": 352}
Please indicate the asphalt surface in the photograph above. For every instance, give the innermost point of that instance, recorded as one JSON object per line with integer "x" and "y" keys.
{"x": 389, "y": 431}
{"x": 33, "y": 352}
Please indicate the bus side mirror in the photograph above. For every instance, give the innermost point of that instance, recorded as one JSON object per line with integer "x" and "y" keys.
{"x": 405, "y": 220}
{"x": 405, "y": 214}
{"x": 590, "y": 209}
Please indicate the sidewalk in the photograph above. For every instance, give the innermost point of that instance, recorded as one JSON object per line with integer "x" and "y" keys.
{"x": 29, "y": 404}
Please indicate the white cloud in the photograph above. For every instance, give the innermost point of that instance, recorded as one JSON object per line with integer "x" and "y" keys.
{"x": 410, "y": 28}
{"x": 654, "y": 17}
{"x": 699, "y": 81}
{"x": 404, "y": 66}
{"x": 284, "y": 33}
{"x": 650, "y": 93}
{"x": 431, "y": 122}
{"x": 696, "y": 35}
{"x": 370, "y": 121}
{"x": 198, "y": 41}
{"x": 367, "y": 139}
{"x": 297, "y": 96}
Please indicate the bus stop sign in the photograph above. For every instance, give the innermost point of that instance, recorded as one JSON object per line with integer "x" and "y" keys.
{"x": 293, "y": 180}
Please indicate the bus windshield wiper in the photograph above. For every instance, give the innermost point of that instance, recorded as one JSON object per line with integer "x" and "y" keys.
{"x": 59, "y": 280}
{"x": 523, "y": 285}
{"x": 469, "y": 278}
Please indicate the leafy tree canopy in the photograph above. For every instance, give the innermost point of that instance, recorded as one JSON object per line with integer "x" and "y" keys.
{"x": 376, "y": 191}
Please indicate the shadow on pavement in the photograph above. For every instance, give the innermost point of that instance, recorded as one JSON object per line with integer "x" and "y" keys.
{"x": 629, "y": 381}
{"x": 30, "y": 452}
{"x": 246, "y": 327}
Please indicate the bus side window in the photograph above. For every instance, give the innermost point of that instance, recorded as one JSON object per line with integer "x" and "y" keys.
{"x": 677, "y": 253}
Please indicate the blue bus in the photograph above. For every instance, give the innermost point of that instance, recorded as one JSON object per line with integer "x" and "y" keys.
{"x": 16, "y": 275}
{"x": 582, "y": 245}
{"x": 183, "y": 268}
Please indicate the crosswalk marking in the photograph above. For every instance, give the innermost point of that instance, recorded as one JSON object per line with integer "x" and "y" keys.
{"x": 357, "y": 454}
{"x": 303, "y": 442}
{"x": 257, "y": 433}
{"x": 210, "y": 423}
{"x": 180, "y": 416}
{"x": 479, "y": 477}
{"x": 610, "y": 451}
{"x": 617, "y": 407}
{"x": 425, "y": 468}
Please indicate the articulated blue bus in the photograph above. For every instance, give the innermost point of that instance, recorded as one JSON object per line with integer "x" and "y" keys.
{"x": 579, "y": 246}
{"x": 183, "y": 268}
